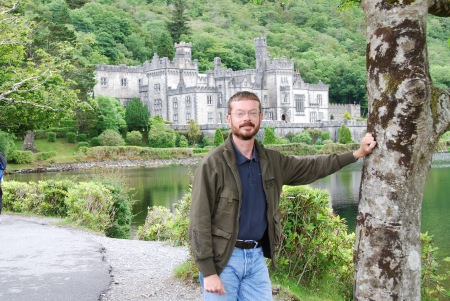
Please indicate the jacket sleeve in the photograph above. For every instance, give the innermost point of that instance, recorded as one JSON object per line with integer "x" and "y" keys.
{"x": 202, "y": 206}
{"x": 305, "y": 170}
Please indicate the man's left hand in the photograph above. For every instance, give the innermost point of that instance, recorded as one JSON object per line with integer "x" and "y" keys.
{"x": 367, "y": 145}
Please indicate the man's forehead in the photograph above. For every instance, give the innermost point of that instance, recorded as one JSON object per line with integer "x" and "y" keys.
{"x": 244, "y": 102}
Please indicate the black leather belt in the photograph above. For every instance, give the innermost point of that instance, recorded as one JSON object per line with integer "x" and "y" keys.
{"x": 249, "y": 244}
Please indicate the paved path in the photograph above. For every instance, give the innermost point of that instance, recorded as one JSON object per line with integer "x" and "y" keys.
{"x": 43, "y": 262}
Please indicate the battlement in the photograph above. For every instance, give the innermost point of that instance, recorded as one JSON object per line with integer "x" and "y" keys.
{"x": 282, "y": 63}
{"x": 120, "y": 68}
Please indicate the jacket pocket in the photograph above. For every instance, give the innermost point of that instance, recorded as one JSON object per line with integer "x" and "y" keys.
{"x": 226, "y": 213}
{"x": 220, "y": 240}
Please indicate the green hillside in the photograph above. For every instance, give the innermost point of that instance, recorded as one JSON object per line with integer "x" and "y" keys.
{"x": 325, "y": 43}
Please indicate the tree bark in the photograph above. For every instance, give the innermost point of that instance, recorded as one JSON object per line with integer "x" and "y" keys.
{"x": 28, "y": 143}
{"x": 406, "y": 116}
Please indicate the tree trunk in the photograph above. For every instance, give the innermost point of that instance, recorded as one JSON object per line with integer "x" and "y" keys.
{"x": 406, "y": 116}
{"x": 28, "y": 143}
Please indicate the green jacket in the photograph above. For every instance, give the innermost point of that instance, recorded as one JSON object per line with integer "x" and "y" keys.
{"x": 216, "y": 199}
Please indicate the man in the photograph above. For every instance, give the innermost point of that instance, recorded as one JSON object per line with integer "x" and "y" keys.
{"x": 234, "y": 218}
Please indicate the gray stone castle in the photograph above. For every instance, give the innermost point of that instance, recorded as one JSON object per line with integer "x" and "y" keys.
{"x": 178, "y": 92}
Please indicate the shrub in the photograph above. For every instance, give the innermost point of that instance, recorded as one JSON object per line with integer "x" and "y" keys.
{"x": 303, "y": 137}
{"x": 95, "y": 141}
{"x": 111, "y": 138}
{"x": 336, "y": 148}
{"x": 82, "y": 138}
{"x": 134, "y": 138}
{"x": 315, "y": 135}
{"x": 314, "y": 241}
{"x": 347, "y": 116}
{"x": 157, "y": 224}
{"x": 21, "y": 157}
{"x": 161, "y": 136}
{"x": 45, "y": 155}
{"x": 89, "y": 205}
{"x": 183, "y": 141}
{"x": 345, "y": 137}
{"x": 82, "y": 144}
{"x": 269, "y": 136}
{"x": 51, "y": 136}
{"x": 218, "y": 137}
{"x": 71, "y": 137}
{"x": 7, "y": 145}
{"x": 325, "y": 136}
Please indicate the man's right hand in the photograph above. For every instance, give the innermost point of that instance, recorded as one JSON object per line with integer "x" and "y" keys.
{"x": 213, "y": 284}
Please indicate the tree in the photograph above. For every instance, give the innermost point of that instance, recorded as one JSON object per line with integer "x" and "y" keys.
{"x": 32, "y": 85}
{"x": 178, "y": 24}
{"x": 165, "y": 46}
{"x": 110, "y": 114}
{"x": 344, "y": 135}
{"x": 218, "y": 137}
{"x": 269, "y": 136}
{"x": 194, "y": 132}
{"x": 136, "y": 115}
{"x": 407, "y": 115}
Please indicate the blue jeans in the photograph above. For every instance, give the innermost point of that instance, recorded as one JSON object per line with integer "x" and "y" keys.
{"x": 245, "y": 278}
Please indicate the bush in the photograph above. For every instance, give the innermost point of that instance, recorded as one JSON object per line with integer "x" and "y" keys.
{"x": 314, "y": 241}
{"x": 315, "y": 134}
{"x": 157, "y": 224}
{"x": 218, "y": 137}
{"x": 82, "y": 144}
{"x": 111, "y": 138}
{"x": 71, "y": 137}
{"x": 161, "y": 136}
{"x": 303, "y": 137}
{"x": 269, "y": 136}
{"x": 183, "y": 141}
{"x": 134, "y": 138}
{"x": 95, "y": 141}
{"x": 336, "y": 148}
{"x": 51, "y": 136}
{"x": 345, "y": 137}
{"x": 21, "y": 157}
{"x": 7, "y": 145}
{"x": 325, "y": 136}
{"x": 45, "y": 155}
{"x": 82, "y": 138}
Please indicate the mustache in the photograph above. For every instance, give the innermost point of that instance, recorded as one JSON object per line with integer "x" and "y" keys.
{"x": 248, "y": 123}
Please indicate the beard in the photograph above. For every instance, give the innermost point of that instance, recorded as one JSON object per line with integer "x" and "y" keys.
{"x": 245, "y": 134}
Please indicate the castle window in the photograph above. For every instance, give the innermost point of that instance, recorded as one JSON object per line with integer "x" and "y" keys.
{"x": 320, "y": 116}
{"x": 210, "y": 118}
{"x": 209, "y": 100}
{"x": 175, "y": 102}
{"x": 188, "y": 116}
{"x": 300, "y": 103}
{"x": 220, "y": 98}
{"x": 124, "y": 82}
{"x": 313, "y": 117}
{"x": 175, "y": 117}
{"x": 285, "y": 97}
{"x": 157, "y": 87}
{"x": 319, "y": 99}
{"x": 269, "y": 115}
{"x": 265, "y": 98}
{"x": 104, "y": 81}
{"x": 188, "y": 101}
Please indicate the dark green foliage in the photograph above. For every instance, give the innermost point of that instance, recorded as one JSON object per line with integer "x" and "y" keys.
{"x": 95, "y": 141}
{"x": 178, "y": 23}
{"x": 218, "y": 137}
{"x": 7, "y": 145}
{"x": 21, "y": 157}
{"x": 269, "y": 136}
{"x": 51, "y": 136}
{"x": 344, "y": 134}
{"x": 121, "y": 224}
{"x": 110, "y": 138}
{"x": 314, "y": 134}
{"x": 161, "y": 136}
{"x": 165, "y": 46}
{"x": 314, "y": 241}
{"x": 82, "y": 138}
{"x": 134, "y": 138}
{"x": 45, "y": 155}
{"x": 71, "y": 137}
{"x": 136, "y": 115}
{"x": 82, "y": 144}
{"x": 303, "y": 137}
{"x": 325, "y": 136}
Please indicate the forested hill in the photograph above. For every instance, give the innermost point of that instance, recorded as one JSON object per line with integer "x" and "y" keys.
{"x": 325, "y": 43}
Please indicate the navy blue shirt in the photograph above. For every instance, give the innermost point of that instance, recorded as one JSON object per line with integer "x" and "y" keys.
{"x": 253, "y": 220}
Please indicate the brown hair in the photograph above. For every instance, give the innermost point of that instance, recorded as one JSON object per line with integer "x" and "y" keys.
{"x": 243, "y": 95}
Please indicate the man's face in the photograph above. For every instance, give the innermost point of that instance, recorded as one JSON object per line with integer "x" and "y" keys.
{"x": 244, "y": 118}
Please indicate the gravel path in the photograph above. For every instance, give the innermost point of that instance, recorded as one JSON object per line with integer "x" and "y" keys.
{"x": 143, "y": 270}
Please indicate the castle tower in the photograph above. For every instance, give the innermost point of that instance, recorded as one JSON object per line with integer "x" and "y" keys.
{"x": 183, "y": 54}
{"x": 261, "y": 54}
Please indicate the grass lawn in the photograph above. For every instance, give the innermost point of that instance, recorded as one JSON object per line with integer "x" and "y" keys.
{"x": 64, "y": 153}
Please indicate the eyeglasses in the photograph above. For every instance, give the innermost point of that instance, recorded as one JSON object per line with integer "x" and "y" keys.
{"x": 241, "y": 114}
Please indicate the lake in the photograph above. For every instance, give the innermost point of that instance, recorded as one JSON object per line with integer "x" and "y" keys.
{"x": 164, "y": 186}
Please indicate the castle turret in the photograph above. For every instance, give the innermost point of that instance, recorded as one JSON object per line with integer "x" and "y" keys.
{"x": 261, "y": 54}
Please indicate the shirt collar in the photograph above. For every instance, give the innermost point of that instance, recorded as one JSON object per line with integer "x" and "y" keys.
{"x": 240, "y": 158}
